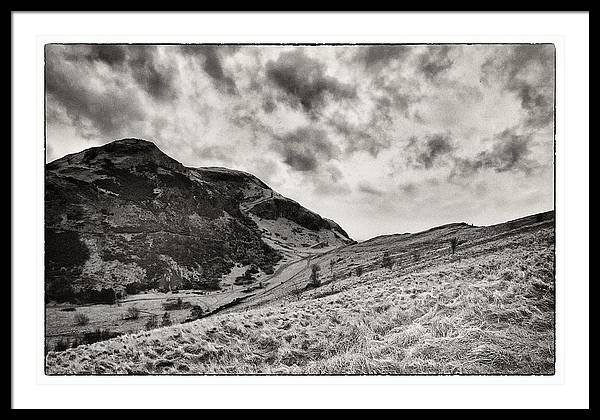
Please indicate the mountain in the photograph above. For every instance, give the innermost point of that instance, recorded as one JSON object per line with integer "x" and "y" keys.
{"x": 125, "y": 217}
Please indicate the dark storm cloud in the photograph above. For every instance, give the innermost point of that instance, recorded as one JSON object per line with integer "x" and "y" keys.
{"x": 379, "y": 56}
{"x": 111, "y": 55}
{"x": 301, "y": 160}
{"x": 304, "y": 81}
{"x": 509, "y": 153}
{"x": 305, "y": 148}
{"x": 212, "y": 65}
{"x": 110, "y": 106}
{"x": 69, "y": 88}
{"x": 427, "y": 152}
{"x": 155, "y": 79}
{"x": 138, "y": 61}
{"x": 514, "y": 67}
{"x": 434, "y": 61}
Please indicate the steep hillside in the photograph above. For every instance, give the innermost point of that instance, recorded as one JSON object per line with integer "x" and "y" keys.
{"x": 125, "y": 217}
{"x": 398, "y": 304}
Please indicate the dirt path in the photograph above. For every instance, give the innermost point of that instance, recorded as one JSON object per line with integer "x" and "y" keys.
{"x": 280, "y": 284}
{"x": 246, "y": 207}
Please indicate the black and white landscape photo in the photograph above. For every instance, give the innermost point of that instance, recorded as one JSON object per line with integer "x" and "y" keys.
{"x": 285, "y": 209}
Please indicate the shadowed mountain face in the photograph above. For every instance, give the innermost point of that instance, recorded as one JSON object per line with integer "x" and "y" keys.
{"x": 126, "y": 217}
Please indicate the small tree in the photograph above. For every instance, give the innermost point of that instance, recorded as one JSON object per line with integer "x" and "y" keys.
{"x": 196, "y": 312}
{"x": 81, "y": 319}
{"x": 314, "y": 275}
{"x": 132, "y": 313}
{"x": 359, "y": 271}
{"x": 166, "y": 320}
{"x": 453, "y": 244}
{"x": 386, "y": 260}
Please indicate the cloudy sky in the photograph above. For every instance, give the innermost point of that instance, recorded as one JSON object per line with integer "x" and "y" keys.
{"x": 382, "y": 139}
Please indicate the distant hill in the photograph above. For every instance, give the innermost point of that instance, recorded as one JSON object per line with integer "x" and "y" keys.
{"x": 126, "y": 217}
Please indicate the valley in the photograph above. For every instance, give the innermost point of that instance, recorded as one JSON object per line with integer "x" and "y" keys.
{"x": 397, "y": 304}
{"x": 128, "y": 226}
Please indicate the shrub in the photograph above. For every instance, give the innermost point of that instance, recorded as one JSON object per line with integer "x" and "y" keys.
{"x": 132, "y": 313}
{"x": 172, "y": 305}
{"x": 58, "y": 287}
{"x": 297, "y": 292}
{"x": 195, "y": 313}
{"x": 359, "y": 271}
{"x": 81, "y": 319}
{"x": 453, "y": 244}
{"x": 247, "y": 277}
{"x": 133, "y": 288}
{"x": 152, "y": 322}
{"x": 386, "y": 260}
{"x": 314, "y": 275}
{"x": 166, "y": 320}
{"x": 95, "y": 336}
{"x": 106, "y": 295}
{"x": 62, "y": 345}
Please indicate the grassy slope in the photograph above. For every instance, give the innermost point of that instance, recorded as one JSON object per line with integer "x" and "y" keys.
{"x": 487, "y": 310}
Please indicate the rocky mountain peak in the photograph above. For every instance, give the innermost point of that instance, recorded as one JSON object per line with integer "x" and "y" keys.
{"x": 123, "y": 154}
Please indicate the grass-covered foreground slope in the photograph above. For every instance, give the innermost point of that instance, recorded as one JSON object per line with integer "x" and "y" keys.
{"x": 488, "y": 309}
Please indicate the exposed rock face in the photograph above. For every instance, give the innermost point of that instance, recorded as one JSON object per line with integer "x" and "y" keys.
{"x": 288, "y": 209}
{"x": 126, "y": 217}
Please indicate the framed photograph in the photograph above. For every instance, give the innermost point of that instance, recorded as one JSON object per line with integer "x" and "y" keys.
{"x": 370, "y": 210}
